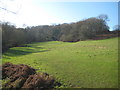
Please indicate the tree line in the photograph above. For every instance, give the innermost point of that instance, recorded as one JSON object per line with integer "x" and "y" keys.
{"x": 82, "y": 30}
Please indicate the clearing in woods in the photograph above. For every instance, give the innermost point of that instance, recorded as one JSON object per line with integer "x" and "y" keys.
{"x": 87, "y": 64}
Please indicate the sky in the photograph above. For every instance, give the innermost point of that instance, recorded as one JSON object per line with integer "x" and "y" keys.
{"x": 36, "y": 12}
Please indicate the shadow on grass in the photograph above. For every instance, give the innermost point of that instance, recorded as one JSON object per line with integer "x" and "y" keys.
{"x": 18, "y": 52}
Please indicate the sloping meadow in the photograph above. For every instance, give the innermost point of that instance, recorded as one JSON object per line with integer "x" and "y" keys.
{"x": 83, "y": 64}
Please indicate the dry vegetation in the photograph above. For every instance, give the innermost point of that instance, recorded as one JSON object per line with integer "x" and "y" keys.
{"x": 23, "y": 76}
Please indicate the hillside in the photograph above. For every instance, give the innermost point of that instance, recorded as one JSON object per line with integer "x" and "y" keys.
{"x": 67, "y": 32}
{"x": 87, "y": 64}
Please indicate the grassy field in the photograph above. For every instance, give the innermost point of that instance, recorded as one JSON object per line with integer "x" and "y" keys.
{"x": 86, "y": 64}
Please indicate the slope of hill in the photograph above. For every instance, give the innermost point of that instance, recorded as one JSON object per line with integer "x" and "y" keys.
{"x": 87, "y": 64}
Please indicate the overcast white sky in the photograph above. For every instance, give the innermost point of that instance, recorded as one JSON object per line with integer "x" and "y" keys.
{"x": 34, "y": 12}
{"x": 26, "y": 13}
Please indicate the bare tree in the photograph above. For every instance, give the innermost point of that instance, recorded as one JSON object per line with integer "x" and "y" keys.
{"x": 116, "y": 27}
{"x": 103, "y": 17}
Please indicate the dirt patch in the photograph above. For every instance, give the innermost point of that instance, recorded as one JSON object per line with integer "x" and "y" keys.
{"x": 24, "y": 76}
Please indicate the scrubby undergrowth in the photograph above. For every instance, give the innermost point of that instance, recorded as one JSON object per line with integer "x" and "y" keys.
{"x": 24, "y": 76}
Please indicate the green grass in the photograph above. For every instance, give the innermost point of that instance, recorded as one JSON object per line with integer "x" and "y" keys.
{"x": 87, "y": 64}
